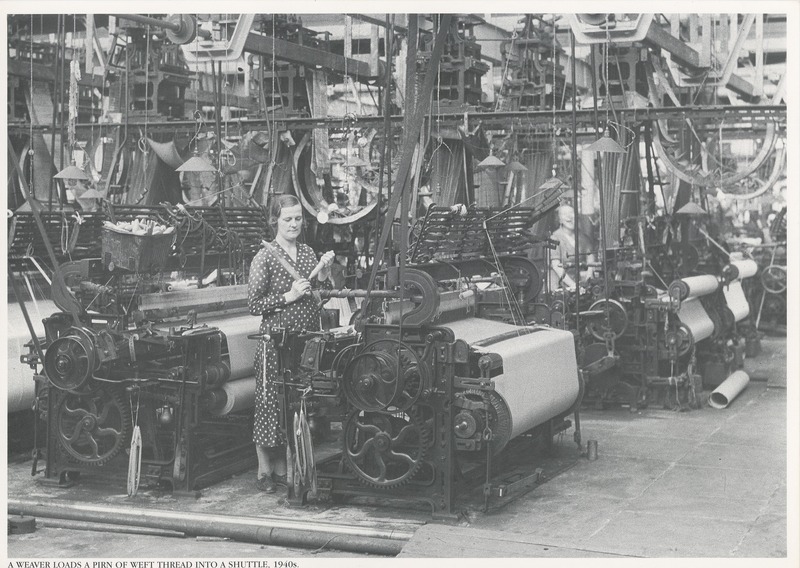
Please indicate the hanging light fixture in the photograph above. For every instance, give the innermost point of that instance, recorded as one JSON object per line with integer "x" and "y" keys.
{"x": 606, "y": 145}
{"x": 491, "y": 162}
{"x": 92, "y": 193}
{"x": 691, "y": 208}
{"x": 516, "y": 166}
{"x": 71, "y": 174}
{"x": 196, "y": 164}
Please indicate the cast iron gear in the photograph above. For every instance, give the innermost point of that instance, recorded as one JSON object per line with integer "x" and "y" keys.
{"x": 499, "y": 416}
{"x": 383, "y": 450}
{"x": 93, "y": 428}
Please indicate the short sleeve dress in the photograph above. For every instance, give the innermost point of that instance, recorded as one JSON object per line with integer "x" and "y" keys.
{"x": 269, "y": 281}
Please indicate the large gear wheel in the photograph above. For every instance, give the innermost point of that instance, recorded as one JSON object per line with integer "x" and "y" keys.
{"x": 384, "y": 450}
{"x": 93, "y": 428}
{"x": 499, "y": 416}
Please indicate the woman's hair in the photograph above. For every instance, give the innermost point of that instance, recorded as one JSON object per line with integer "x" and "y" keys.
{"x": 278, "y": 203}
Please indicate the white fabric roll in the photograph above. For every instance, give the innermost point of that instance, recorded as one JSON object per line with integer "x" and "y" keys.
{"x": 694, "y": 315}
{"x": 747, "y": 268}
{"x": 241, "y": 349}
{"x": 540, "y": 372}
{"x": 701, "y": 285}
{"x": 239, "y": 395}
{"x": 736, "y": 300}
{"x": 20, "y": 383}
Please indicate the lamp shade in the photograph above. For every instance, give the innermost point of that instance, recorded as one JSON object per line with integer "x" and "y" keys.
{"x": 71, "y": 172}
{"x": 196, "y": 164}
{"x": 691, "y": 208}
{"x": 606, "y": 145}
{"x": 91, "y": 193}
{"x": 491, "y": 162}
{"x": 516, "y": 166}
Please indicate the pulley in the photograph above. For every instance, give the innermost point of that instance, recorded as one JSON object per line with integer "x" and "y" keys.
{"x": 70, "y": 361}
{"x": 386, "y": 375}
{"x": 183, "y": 30}
{"x": 617, "y": 319}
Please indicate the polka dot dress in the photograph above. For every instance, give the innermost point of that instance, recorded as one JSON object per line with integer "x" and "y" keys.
{"x": 269, "y": 281}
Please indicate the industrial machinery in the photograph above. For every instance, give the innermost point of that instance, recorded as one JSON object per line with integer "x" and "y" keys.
{"x": 435, "y": 385}
{"x": 671, "y": 340}
{"x": 141, "y": 360}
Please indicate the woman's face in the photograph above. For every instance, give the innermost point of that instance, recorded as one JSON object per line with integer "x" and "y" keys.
{"x": 567, "y": 218}
{"x": 290, "y": 222}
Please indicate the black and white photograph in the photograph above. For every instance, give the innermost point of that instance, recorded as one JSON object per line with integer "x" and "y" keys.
{"x": 367, "y": 282}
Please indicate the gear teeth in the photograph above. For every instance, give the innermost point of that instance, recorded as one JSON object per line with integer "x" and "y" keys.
{"x": 106, "y": 397}
{"x": 406, "y": 477}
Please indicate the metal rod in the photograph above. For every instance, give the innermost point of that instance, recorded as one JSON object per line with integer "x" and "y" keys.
{"x": 205, "y": 34}
{"x": 517, "y": 118}
{"x": 262, "y": 530}
{"x": 63, "y": 61}
{"x": 150, "y": 21}
{"x": 51, "y": 181}
{"x": 99, "y": 527}
{"x": 575, "y": 189}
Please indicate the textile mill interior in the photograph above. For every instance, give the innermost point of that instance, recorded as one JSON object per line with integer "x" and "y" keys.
{"x": 355, "y": 285}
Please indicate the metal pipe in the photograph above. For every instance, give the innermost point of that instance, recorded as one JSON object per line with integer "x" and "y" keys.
{"x": 150, "y": 21}
{"x": 515, "y": 118}
{"x": 261, "y": 530}
{"x": 575, "y": 188}
{"x": 205, "y": 34}
{"x": 99, "y": 527}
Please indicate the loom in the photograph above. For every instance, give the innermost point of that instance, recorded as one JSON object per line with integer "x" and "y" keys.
{"x": 432, "y": 385}
{"x": 124, "y": 354}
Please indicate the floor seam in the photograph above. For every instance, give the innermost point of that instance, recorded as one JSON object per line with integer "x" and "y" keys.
{"x": 761, "y": 513}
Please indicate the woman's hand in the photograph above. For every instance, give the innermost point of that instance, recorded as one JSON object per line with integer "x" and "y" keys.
{"x": 323, "y": 268}
{"x": 299, "y": 289}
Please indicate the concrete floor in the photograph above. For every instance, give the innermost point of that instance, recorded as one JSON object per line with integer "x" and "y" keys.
{"x": 705, "y": 483}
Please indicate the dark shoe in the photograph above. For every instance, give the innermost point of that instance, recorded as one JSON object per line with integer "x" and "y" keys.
{"x": 265, "y": 484}
{"x": 280, "y": 480}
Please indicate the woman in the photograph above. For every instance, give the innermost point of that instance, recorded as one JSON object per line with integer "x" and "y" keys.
{"x": 281, "y": 300}
{"x": 564, "y": 253}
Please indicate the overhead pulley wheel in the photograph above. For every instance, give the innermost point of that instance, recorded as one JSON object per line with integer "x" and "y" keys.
{"x": 187, "y": 31}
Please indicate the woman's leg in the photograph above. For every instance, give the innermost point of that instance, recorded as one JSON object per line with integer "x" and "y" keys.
{"x": 278, "y": 460}
{"x": 265, "y": 462}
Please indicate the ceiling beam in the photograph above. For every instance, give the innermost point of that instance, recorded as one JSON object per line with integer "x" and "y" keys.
{"x": 307, "y": 56}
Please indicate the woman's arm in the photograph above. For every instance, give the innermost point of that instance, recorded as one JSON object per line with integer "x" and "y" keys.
{"x": 261, "y": 299}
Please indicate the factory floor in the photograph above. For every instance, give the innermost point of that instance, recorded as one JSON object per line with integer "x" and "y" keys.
{"x": 703, "y": 483}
